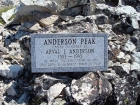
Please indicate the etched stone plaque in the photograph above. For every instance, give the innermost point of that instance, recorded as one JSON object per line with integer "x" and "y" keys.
{"x": 69, "y": 52}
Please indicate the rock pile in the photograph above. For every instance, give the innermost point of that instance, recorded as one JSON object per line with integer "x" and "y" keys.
{"x": 119, "y": 85}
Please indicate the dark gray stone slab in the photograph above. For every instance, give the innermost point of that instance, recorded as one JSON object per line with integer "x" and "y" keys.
{"x": 69, "y": 52}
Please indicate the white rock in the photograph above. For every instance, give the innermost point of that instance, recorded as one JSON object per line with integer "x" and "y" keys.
{"x": 136, "y": 57}
{"x": 11, "y": 71}
{"x": 135, "y": 66}
{"x": 125, "y": 10}
{"x": 11, "y": 89}
{"x": 126, "y": 67}
{"x": 135, "y": 23}
{"x": 129, "y": 46}
{"x": 54, "y": 91}
{"x": 7, "y": 15}
{"x": 0, "y": 38}
{"x": 121, "y": 55}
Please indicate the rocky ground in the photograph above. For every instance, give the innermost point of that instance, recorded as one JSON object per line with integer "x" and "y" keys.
{"x": 119, "y": 85}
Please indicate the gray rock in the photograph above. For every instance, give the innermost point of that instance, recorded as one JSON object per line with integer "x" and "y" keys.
{"x": 7, "y": 41}
{"x": 45, "y": 19}
{"x": 11, "y": 71}
{"x": 90, "y": 88}
{"x": 3, "y": 50}
{"x": 54, "y": 91}
{"x": 100, "y": 1}
{"x": 24, "y": 99}
{"x": 126, "y": 67}
{"x": 20, "y": 34}
{"x": 126, "y": 90}
{"x": 11, "y": 90}
{"x": 43, "y": 83}
{"x": 129, "y": 46}
{"x": 12, "y": 102}
{"x": 9, "y": 2}
{"x": 136, "y": 57}
{"x": 26, "y": 7}
{"x": 108, "y": 29}
{"x": 101, "y": 19}
{"x": 29, "y": 26}
{"x": 138, "y": 7}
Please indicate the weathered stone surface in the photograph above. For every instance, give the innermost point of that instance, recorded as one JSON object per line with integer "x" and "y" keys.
{"x": 101, "y": 19}
{"x": 7, "y": 15}
{"x": 129, "y": 46}
{"x": 11, "y": 90}
{"x": 45, "y": 19}
{"x": 24, "y": 99}
{"x": 42, "y": 5}
{"x": 54, "y": 91}
{"x": 107, "y": 28}
{"x": 90, "y": 88}
{"x": 122, "y": 90}
{"x": 30, "y": 26}
{"x": 44, "y": 82}
{"x": 59, "y": 101}
{"x": 11, "y": 71}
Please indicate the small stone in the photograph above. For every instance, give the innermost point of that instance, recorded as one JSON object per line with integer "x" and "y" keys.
{"x": 121, "y": 55}
{"x": 101, "y": 19}
{"x": 108, "y": 29}
{"x": 24, "y": 98}
{"x": 11, "y": 71}
{"x": 135, "y": 23}
{"x": 126, "y": 67}
{"x": 12, "y": 102}
{"x": 135, "y": 66}
{"x": 59, "y": 101}
{"x": 7, "y": 15}
{"x": 43, "y": 103}
{"x": 54, "y": 91}
{"x": 136, "y": 57}
{"x": 43, "y": 83}
{"x": 30, "y": 26}
{"x": 48, "y": 20}
{"x": 129, "y": 46}
{"x": 7, "y": 42}
{"x": 0, "y": 38}
{"x": 138, "y": 7}
{"x": 12, "y": 89}
{"x": 20, "y": 34}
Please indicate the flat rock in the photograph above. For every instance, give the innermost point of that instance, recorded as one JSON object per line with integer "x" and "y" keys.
{"x": 12, "y": 89}
{"x": 90, "y": 88}
{"x": 46, "y": 19}
{"x": 44, "y": 83}
{"x": 129, "y": 46}
{"x": 24, "y": 99}
{"x": 54, "y": 91}
{"x": 7, "y": 15}
{"x": 107, "y": 28}
{"x": 26, "y": 7}
{"x": 11, "y": 71}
